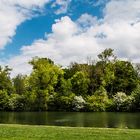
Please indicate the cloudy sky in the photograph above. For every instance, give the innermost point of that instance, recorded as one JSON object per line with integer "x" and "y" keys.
{"x": 67, "y": 30}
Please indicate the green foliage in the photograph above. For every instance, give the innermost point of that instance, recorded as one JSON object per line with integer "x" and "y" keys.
{"x": 45, "y": 74}
{"x": 65, "y": 103}
{"x": 16, "y": 102}
{"x": 63, "y": 87}
{"x": 126, "y": 78}
{"x": 41, "y": 100}
{"x": 98, "y": 101}
{"x": 42, "y": 81}
{"x": 80, "y": 83}
{"x": 75, "y": 67}
{"x": 3, "y": 99}
{"x": 136, "y": 96}
{"x": 102, "y": 73}
{"x": 80, "y": 87}
{"x": 5, "y": 81}
{"x": 20, "y": 84}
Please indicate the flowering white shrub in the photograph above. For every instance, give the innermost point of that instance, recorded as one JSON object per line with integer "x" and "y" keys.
{"x": 122, "y": 101}
{"x": 78, "y": 103}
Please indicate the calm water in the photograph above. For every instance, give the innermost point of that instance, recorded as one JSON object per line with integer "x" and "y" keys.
{"x": 111, "y": 120}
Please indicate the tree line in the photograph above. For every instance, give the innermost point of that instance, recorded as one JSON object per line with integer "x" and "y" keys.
{"x": 109, "y": 84}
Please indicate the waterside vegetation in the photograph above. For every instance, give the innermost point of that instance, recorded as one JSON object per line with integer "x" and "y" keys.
{"x": 109, "y": 84}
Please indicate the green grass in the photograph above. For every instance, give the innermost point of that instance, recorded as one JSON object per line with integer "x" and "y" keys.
{"x": 27, "y": 132}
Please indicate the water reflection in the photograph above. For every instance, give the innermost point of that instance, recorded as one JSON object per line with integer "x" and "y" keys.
{"x": 74, "y": 119}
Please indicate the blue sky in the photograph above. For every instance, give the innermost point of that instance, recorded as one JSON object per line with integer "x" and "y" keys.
{"x": 67, "y": 30}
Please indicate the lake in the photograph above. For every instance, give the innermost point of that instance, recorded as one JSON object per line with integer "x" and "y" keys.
{"x": 73, "y": 119}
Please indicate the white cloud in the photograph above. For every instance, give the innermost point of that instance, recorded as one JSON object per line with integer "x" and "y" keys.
{"x": 63, "y": 6}
{"x": 13, "y": 13}
{"x": 62, "y": 46}
{"x": 74, "y": 41}
{"x": 86, "y": 21}
{"x": 122, "y": 10}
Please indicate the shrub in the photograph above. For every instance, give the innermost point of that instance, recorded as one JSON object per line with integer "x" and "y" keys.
{"x": 98, "y": 101}
{"x": 122, "y": 102}
{"x": 63, "y": 103}
{"x": 17, "y": 102}
{"x": 78, "y": 103}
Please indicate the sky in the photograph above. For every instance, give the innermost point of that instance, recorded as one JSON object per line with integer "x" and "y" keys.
{"x": 67, "y": 31}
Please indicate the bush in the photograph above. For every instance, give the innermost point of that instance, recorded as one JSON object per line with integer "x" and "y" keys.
{"x": 62, "y": 102}
{"x": 17, "y": 102}
{"x": 122, "y": 102}
{"x": 98, "y": 101}
{"x": 78, "y": 103}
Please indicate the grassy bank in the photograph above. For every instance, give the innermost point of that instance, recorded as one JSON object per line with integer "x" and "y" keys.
{"x": 24, "y": 132}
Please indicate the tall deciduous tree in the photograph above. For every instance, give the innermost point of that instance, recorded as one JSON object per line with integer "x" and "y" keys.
{"x": 126, "y": 77}
{"x": 43, "y": 80}
{"x": 20, "y": 84}
{"x": 80, "y": 83}
{"x": 5, "y": 80}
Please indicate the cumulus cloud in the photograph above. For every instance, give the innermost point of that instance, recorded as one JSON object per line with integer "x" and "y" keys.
{"x": 122, "y": 10}
{"x": 62, "y": 46}
{"x": 14, "y": 12}
{"x": 119, "y": 29}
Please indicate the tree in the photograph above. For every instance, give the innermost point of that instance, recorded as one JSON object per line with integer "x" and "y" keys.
{"x": 3, "y": 100}
{"x": 43, "y": 79}
{"x": 101, "y": 75}
{"x": 107, "y": 56}
{"x": 80, "y": 83}
{"x": 126, "y": 77}
{"x": 20, "y": 84}
{"x": 5, "y": 80}
{"x": 75, "y": 67}
{"x": 136, "y": 96}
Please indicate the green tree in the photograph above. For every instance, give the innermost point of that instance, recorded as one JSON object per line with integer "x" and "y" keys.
{"x": 107, "y": 55}
{"x": 5, "y": 80}
{"x": 80, "y": 83}
{"x": 43, "y": 79}
{"x": 75, "y": 67}
{"x": 102, "y": 72}
{"x": 3, "y": 100}
{"x": 136, "y": 96}
{"x": 20, "y": 84}
{"x": 126, "y": 77}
